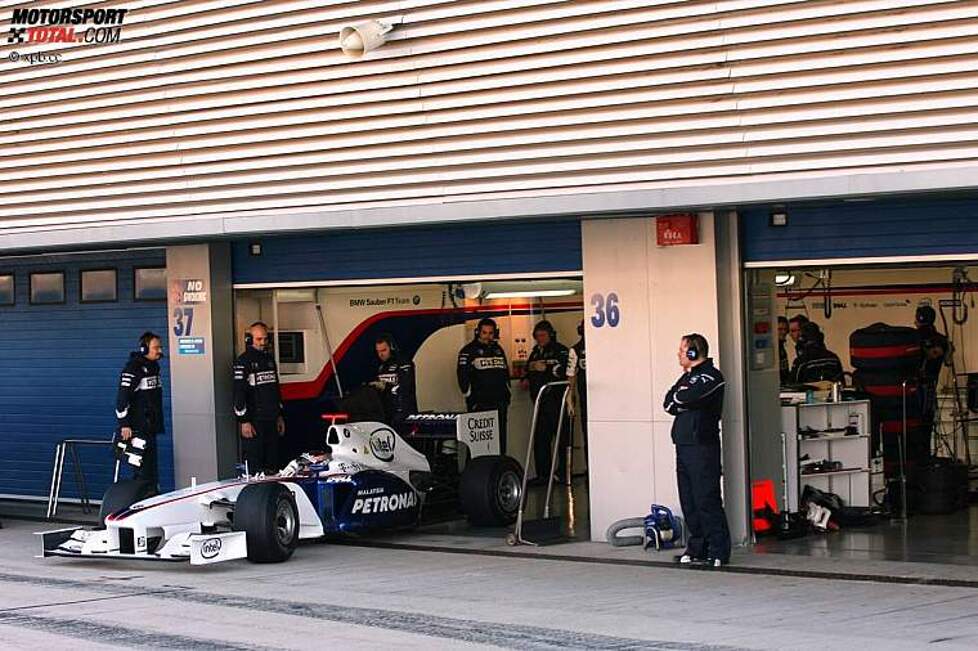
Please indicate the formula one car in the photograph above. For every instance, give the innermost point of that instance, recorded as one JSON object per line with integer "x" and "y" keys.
{"x": 369, "y": 478}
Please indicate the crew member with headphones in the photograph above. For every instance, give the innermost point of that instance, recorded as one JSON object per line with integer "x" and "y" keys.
{"x": 483, "y": 375}
{"x": 548, "y": 363}
{"x": 258, "y": 403}
{"x": 696, "y": 400}
{"x": 395, "y": 381}
{"x": 934, "y": 350}
{"x": 139, "y": 404}
{"x": 577, "y": 374}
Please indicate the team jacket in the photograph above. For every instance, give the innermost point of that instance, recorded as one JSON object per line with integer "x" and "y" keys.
{"x": 783, "y": 366}
{"x": 398, "y": 396}
{"x": 696, "y": 400}
{"x": 577, "y": 366}
{"x": 256, "y": 391}
{"x": 139, "y": 400}
{"x": 555, "y": 356}
{"x": 483, "y": 373}
{"x": 814, "y": 365}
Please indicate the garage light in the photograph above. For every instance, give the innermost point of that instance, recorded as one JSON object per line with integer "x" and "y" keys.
{"x": 533, "y": 293}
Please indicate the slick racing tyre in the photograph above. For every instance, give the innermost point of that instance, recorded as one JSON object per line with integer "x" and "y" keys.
{"x": 123, "y": 494}
{"x": 490, "y": 490}
{"x": 268, "y": 515}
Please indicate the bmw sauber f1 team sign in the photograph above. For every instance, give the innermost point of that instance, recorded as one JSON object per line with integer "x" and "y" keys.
{"x": 479, "y": 430}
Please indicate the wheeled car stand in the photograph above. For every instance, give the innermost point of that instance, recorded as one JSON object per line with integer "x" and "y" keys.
{"x": 547, "y": 530}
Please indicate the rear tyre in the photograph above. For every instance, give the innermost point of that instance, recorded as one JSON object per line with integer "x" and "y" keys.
{"x": 123, "y": 494}
{"x": 490, "y": 490}
{"x": 268, "y": 516}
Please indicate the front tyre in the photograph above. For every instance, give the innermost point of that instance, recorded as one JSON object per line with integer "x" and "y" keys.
{"x": 490, "y": 490}
{"x": 268, "y": 516}
{"x": 123, "y": 494}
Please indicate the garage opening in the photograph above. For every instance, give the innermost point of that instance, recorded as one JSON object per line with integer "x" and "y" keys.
{"x": 324, "y": 338}
{"x": 863, "y": 443}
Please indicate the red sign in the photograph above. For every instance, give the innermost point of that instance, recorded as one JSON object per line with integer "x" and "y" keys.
{"x": 672, "y": 230}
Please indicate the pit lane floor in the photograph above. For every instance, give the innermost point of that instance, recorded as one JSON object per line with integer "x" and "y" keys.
{"x": 343, "y": 596}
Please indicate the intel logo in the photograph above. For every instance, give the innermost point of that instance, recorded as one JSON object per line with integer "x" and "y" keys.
{"x": 210, "y": 548}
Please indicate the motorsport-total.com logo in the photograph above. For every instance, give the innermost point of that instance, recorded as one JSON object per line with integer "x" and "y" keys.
{"x": 89, "y": 25}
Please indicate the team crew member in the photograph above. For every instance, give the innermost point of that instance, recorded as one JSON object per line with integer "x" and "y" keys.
{"x": 395, "y": 381}
{"x": 577, "y": 375}
{"x": 815, "y": 362}
{"x": 934, "y": 348}
{"x": 696, "y": 400}
{"x": 785, "y": 367}
{"x": 795, "y": 324}
{"x": 139, "y": 403}
{"x": 258, "y": 402}
{"x": 483, "y": 375}
{"x": 547, "y": 363}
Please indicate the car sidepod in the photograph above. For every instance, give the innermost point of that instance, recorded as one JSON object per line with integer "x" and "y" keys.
{"x": 367, "y": 501}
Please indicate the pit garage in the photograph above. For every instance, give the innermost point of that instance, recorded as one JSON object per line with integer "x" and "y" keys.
{"x": 70, "y": 323}
{"x": 874, "y": 460}
{"x": 328, "y": 298}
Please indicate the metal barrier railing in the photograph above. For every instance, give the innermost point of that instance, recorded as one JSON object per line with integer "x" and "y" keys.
{"x": 65, "y": 448}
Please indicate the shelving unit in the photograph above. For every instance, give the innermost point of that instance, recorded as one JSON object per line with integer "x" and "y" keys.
{"x": 852, "y": 482}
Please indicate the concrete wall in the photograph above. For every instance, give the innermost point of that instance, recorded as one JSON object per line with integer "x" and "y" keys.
{"x": 204, "y": 439}
{"x": 663, "y": 293}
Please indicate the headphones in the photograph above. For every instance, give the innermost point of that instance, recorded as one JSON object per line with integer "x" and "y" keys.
{"x": 696, "y": 346}
{"x": 145, "y": 340}
{"x": 545, "y": 326}
{"x": 488, "y": 322}
{"x": 250, "y": 340}
{"x": 388, "y": 339}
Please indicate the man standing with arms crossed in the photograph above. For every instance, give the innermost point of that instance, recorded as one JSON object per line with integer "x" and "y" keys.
{"x": 696, "y": 400}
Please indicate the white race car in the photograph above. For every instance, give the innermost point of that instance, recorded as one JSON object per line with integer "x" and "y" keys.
{"x": 369, "y": 478}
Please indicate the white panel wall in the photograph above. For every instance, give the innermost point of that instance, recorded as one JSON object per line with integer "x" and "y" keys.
{"x": 665, "y": 292}
{"x": 240, "y": 109}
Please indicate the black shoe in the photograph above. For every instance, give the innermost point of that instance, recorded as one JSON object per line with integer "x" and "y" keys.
{"x": 716, "y": 563}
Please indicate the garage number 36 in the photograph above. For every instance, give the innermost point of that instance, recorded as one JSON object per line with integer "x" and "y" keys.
{"x": 606, "y": 310}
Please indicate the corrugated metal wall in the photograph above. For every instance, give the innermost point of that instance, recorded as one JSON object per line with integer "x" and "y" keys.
{"x": 240, "y": 105}
{"x": 850, "y": 231}
{"x": 60, "y": 370}
{"x": 452, "y": 250}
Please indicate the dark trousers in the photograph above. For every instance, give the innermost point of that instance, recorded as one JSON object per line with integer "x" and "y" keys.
{"x": 582, "y": 409}
{"x": 502, "y": 408}
{"x": 149, "y": 471}
{"x": 698, "y": 472}
{"x": 262, "y": 451}
{"x": 543, "y": 441}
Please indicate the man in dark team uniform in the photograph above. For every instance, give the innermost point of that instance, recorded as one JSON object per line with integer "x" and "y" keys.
{"x": 139, "y": 404}
{"x": 784, "y": 366}
{"x": 258, "y": 403}
{"x": 815, "y": 362}
{"x": 577, "y": 374}
{"x": 395, "y": 381}
{"x": 934, "y": 348}
{"x": 696, "y": 400}
{"x": 483, "y": 375}
{"x": 547, "y": 363}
